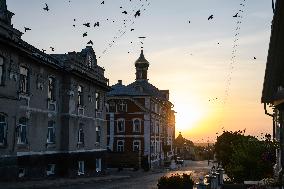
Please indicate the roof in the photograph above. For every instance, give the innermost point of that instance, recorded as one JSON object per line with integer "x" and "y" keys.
{"x": 274, "y": 73}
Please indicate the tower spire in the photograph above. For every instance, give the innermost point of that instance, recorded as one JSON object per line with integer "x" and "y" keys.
{"x": 141, "y": 65}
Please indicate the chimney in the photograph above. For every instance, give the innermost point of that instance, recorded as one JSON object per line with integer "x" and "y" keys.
{"x": 120, "y": 82}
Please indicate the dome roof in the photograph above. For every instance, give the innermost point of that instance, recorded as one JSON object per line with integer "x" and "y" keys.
{"x": 141, "y": 61}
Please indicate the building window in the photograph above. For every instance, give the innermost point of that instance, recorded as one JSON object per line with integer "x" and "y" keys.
{"x": 120, "y": 125}
{"x": 3, "y": 129}
{"x": 136, "y": 125}
{"x": 112, "y": 107}
{"x": 50, "y": 169}
{"x": 90, "y": 61}
{"x": 51, "y": 132}
{"x": 136, "y": 145}
{"x": 2, "y": 69}
{"x": 122, "y": 106}
{"x": 98, "y": 165}
{"x": 51, "y": 88}
{"x": 98, "y": 99}
{"x": 24, "y": 79}
{"x": 81, "y": 135}
{"x": 22, "y": 131}
{"x": 98, "y": 134}
{"x": 81, "y": 167}
{"x": 80, "y": 95}
{"x": 120, "y": 146}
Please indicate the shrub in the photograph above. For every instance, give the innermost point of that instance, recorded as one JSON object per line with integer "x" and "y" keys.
{"x": 176, "y": 181}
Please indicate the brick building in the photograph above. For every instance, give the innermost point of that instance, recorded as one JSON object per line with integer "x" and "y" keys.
{"x": 52, "y": 112}
{"x": 141, "y": 122}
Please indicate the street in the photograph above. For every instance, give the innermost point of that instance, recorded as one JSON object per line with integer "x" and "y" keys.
{"x": 145, "y": 180}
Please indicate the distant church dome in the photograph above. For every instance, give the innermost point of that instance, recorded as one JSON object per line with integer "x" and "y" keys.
{"x": 141, "y": 61}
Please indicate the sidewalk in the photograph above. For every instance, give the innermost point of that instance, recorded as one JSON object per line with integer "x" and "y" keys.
{"x": 59, "y": 182}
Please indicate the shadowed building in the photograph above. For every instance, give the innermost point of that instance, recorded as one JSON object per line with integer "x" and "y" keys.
{"x": 52, "y": 113}
{"x": 141, "y": 122}
{"x": 273, "y": 86}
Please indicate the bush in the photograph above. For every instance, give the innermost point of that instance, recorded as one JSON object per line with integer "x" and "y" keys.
{"x": 176, "y": 181}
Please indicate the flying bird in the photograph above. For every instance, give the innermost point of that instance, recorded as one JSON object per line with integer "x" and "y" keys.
{"x": 52, "y": 48}
{"x": 46, "y": 8}
{"x": 85, "y": 34}
{"x": 236, "y": 15}
{"x": 73, "y": 25}
{"x": 103, "y": 2}
{"x": 90, "y": 42}
{"x": 254, "y": 58}
{"x": 124, "y": 12}
{"x": 210, "y": 17}
{"x": 132, "y": 29}
{"x": 137, "y": 13}
{"x": 87, "y": 24}
{"x": 97, "y": 24}
{"x": 27, "y": 29}
{"x": 189, "y": 21}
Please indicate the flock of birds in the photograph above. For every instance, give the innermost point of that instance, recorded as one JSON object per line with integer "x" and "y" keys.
{"x": 122, "y": 30}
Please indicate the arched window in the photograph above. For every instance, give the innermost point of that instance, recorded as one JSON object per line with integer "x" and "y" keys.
{"x": 22, "y": 131}
{"x": 80, "y": 95}
{"x": 81, "y": 134}
{"x": 136, "y": 145}
{"x": 51, "y": 88}
{"x": 3, "y": 128}
{"x": 120, "y": 146}
{"x": 136, "y": 125}
{"x": 51, "y": 132}
{"x": 120, "y": 125}
{"x": 24, "y": 72}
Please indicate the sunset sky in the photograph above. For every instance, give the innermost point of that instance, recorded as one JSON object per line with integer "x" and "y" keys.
{"x": 184, "y": 57}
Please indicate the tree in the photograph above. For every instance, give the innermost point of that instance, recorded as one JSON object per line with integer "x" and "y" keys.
{"x": 245, "y": 157}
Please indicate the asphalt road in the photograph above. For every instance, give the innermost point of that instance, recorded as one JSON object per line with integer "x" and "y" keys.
{"x": 146, "y": 180}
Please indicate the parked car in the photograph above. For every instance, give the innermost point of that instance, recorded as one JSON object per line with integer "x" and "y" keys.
{"x": 179, "y": 160}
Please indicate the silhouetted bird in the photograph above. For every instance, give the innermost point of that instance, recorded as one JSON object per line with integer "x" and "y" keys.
{"x": 120, "y": 7}
{"x": 46, "y": 8}
{"x": 52, "y": 48}
{"x": 124, "y": 12}
{"x": 73, "y": 25}
{"x": 132, "y": 30}
{"x": 74, "y": 19}
{"x": 189, "y": 21}
{"x": 85, "y": 34}
{"x": 43, "y": 50}
{"x": 102, "y": 2}
{"x": 90, "y": 42}
{"x": 254, "y": 58}
{"x": 87, "y": 24}
{"x": 97, "y": 24}
{"x": 137, "y": 13}
{"x": 27, "y": 29}
{"x": 236, "y": 15}
{"x": 210, "y": 17}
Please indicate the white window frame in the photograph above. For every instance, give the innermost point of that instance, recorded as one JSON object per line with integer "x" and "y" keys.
{"x": 20, "y": 130}
{"x": 98, "y": 165}
{"x": 134, "y": 145}
{"x": 134, "y": 126}
{"x": 51, "y": 89}
{"x": 50, "y": 131}
{"x": 81, "y": 140}
{"x": 50, "y": 169}
{"x": 120, "y": 148}
{"x": 122, "y": 106}
{"x": 117, "y": 125}
{"x": 81, "y": 167}
{"x": 98, "y": 134}
{"x": 24, "y": 80}
{"x": 4, "y": 125}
